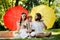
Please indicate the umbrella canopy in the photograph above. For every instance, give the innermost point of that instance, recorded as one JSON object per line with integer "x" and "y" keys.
{"x": 47, "y": 13}
{"x": 12, "y": 16}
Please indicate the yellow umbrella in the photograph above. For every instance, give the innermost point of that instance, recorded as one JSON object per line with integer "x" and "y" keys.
{"x": 47, "y": 14}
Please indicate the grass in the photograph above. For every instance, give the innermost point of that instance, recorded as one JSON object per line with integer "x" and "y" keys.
{"x": 55, "y": 36}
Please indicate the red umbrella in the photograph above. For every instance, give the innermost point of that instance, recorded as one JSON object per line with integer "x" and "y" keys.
{"x": 13, "y": 15}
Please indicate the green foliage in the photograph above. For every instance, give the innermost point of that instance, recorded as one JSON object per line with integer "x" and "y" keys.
{"x": 2, "y": 28}
{"x": 4, "y": 5}
{"x": 28, "y": 4}
{"x": 57, "y": 23}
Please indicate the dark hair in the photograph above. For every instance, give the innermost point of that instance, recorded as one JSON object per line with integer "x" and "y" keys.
{"x": 39, "y": 16}
{"x": 21, "y": 17}
{"x": 25, "y": 16}
{"x": 29, "y": 17}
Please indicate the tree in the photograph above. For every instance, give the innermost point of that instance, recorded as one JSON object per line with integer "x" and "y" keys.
{"x": 17, "y": 1}
{"x": 50, "y": 2}
{"x": 29, "y": 4}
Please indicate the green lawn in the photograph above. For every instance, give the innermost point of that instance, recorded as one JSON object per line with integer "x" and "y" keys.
{"x": 55, "y": 36}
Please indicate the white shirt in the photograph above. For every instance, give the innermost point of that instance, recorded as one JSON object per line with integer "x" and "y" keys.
{"x": 30, "y": 24}
{"x": 37, "y": 26}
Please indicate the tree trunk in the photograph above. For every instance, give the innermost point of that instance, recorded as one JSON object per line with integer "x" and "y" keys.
{"x": 17, "y": 1}
{"x": 49, "y": 2}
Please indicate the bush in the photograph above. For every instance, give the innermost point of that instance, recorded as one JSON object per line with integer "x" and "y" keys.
{"x": 2, "y": 28}
{"x": 57, "y": 23}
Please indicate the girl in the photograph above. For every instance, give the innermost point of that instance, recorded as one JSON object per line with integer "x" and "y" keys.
{"x": 23, "y": 26}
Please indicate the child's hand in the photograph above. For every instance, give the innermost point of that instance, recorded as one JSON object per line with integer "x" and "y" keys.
{"x": 29, "y": 31}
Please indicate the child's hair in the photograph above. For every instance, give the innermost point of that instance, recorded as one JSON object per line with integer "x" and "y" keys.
{"x": 29, "y": 16}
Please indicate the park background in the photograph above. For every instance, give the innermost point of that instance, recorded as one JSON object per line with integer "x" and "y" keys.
{"x": 29, "y": 4}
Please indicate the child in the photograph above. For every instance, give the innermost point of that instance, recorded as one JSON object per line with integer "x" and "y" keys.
{"x": 30, "y": 20}
{"x": 32, "y": 33}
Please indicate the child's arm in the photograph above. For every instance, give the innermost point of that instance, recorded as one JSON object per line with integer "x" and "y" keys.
{"x": 28, "y": 27}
